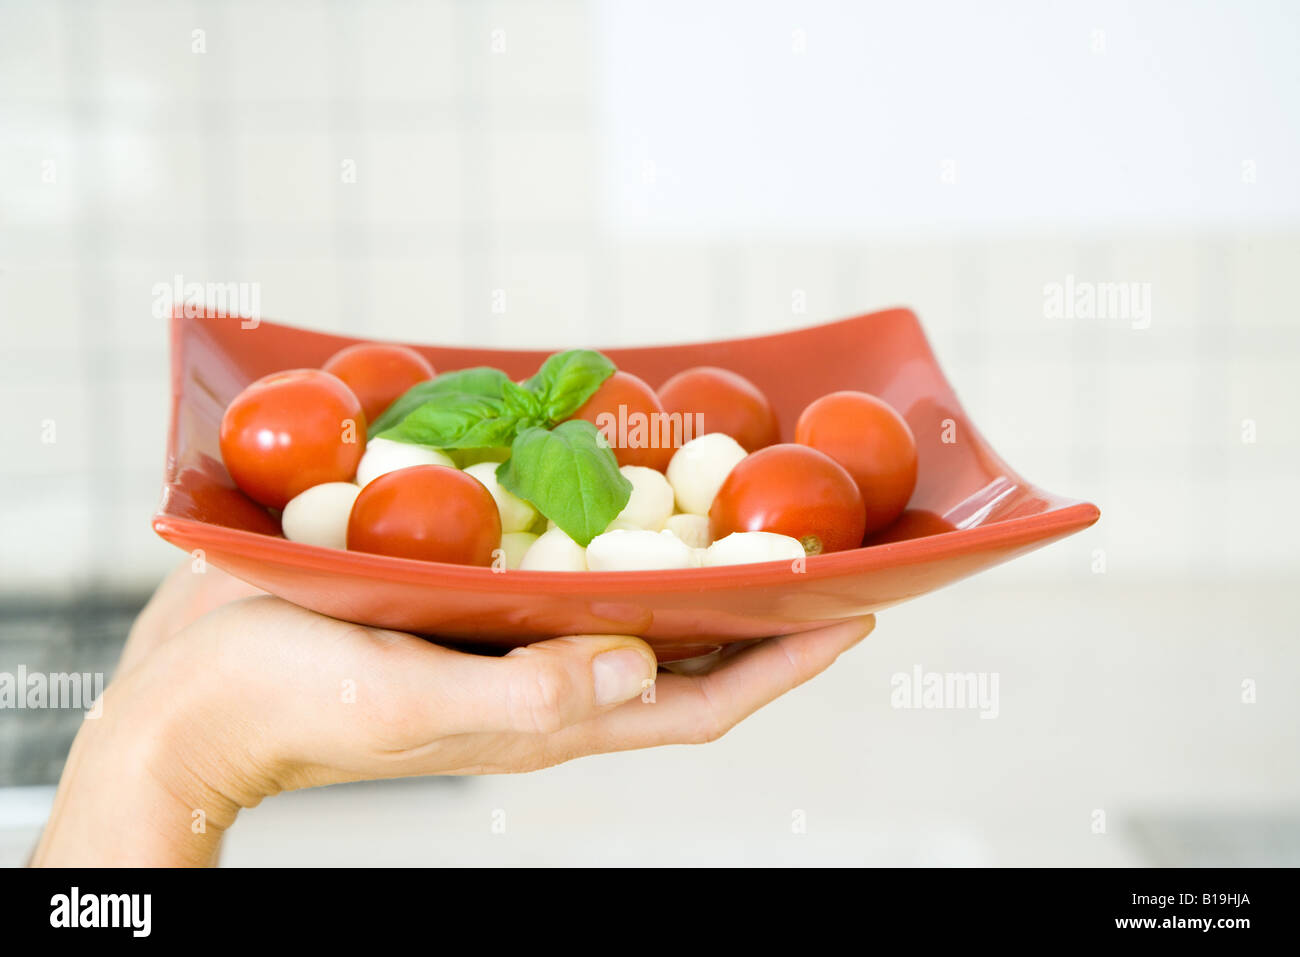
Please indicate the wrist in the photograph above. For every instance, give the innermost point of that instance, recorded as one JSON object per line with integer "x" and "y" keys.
{"x": 155, "y": 780}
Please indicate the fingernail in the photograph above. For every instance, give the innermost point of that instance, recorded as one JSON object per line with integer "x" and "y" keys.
{"x": 620, "y": 675}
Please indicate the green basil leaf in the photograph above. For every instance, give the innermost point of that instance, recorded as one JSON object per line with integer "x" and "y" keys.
{"x": 524, "y": 405}
{"x": 480, "y": 380}
{"x": 456, "y": 420}
{"x": 568, "y": 379}
{"x": 570, "y": 475}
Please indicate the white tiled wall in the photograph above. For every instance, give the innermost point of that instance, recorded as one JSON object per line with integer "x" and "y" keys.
{"x": 480, "y": 156}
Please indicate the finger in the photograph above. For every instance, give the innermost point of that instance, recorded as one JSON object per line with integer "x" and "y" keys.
{"x": 693, "y": 710}
{"x": 553, "y": 684}
{"x": 538, "y": 689}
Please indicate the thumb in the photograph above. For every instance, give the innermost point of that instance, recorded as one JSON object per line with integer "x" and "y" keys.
{"x": 549, "y": 685}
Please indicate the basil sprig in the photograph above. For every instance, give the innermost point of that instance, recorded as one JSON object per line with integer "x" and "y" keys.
{"x": 564, "y": 468}
{"x": 457, "y": 420}
{"x": 568, "y": 379}
{"x": 480, "y": 381}
{"x": 570, "y": 475}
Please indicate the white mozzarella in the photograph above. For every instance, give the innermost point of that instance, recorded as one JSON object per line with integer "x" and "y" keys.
{"x": 384, "y": 455}
{"x": 699, "y": 468}
{"x": 742, "y": 548}
{"x": 514, "y": 546}
{"x": 638, "y": 550}
{"x": 692, "y": 529}
{"x": 555, "y": 551}
{"x": 516, "y": 514}
{"x": 651, "y": 501}
{"x": 319, "y": 516}
{"x": 613, "y": 526}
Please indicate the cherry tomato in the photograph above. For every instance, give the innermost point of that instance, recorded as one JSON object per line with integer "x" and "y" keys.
{"x": 379, "y": 373}
{"x": 792, "y": 490}
{"x": 632, "y": 418}
{"x": 866, "y": 436}
{"x": 430, "y": 512}
{"x": 289, "y": 431}
{"x": 727, "y": 401}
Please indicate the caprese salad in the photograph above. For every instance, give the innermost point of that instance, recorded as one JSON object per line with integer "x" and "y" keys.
{"x": 581, "y": 467}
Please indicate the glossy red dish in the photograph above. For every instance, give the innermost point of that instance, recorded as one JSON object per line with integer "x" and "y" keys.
{"x": 969, "y": 511}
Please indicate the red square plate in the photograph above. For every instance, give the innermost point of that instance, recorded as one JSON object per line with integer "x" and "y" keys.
{"x": 969, "y": 511}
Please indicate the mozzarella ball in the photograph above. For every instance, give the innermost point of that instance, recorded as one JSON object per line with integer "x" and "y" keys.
{"x": 613, "y": 526}
{"x": 319, "y": 516}
{"x": 514, "y": 545}
{"x": 384, "y": 455}
{"x": 651, "y": 501}
{"x": 625, "y": 550}
{"x": 692, "y": 529}
{"x": 700, "y": 467}
{"x": 742, "y": 548}
{"x": 554, "y": 551}
{"x": 516, "y": 514}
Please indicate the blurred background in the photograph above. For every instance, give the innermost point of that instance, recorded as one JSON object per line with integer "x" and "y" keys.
{"x": 619, "y": 173}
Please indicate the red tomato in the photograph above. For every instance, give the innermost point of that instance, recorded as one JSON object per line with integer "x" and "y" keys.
{"x": 727, "y": 401}
{"x": 872, "y": 441}
{"x": 632, "y": 418}
{"x": 289, "y": 431}
{"x": 430, "y": 512}
{"x": 792, "y": 490}
{"x": 379, "y": 373}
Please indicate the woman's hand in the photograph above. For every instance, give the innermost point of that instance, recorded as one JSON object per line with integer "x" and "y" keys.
{"x": 188, "y": 593}
{"x": 261, "y": 696}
